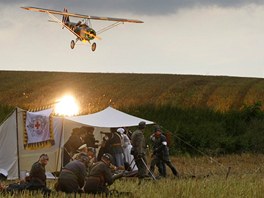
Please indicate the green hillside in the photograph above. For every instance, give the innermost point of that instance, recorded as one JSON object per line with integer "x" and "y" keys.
{"x": 96, "y": 91}
{"x": 211, "y": 114}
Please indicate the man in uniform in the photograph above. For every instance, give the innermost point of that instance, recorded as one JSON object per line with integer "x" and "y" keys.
{"x": 73, "y": 143}
{"x": 139, "y": 149}
{"x": 161, "y": 154}
{"x": 72, "y": 176}
{"x": 100, "y": 176}
{"x": 37, "y": 176}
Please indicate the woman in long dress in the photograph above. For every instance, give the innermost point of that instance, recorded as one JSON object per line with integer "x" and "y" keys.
{"x": 127, "y": 149}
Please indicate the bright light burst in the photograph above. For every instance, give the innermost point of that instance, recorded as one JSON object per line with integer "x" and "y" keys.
{"x": 67, "y": 106}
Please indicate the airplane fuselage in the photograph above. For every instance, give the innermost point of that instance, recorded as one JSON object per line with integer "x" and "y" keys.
{"x": 83, "y": 30}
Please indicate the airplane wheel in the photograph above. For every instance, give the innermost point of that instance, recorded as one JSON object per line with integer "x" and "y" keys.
{"x": 93, "y": 47}
{"x": 72, "y": 44}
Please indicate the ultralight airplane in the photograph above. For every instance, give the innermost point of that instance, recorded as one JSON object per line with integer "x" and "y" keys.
{"x": 82, "y": 29}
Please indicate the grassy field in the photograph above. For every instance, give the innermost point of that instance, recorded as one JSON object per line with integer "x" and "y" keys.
{"x": 200, "y": 177}
{"x": 96, "y": 91}
{"x": 196, "y": 108}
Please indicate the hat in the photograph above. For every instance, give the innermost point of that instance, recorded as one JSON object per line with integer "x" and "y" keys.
{"x": 87, "y": 129}
{"x": 75, "y": 131}
{"x": 142, "y": 124}
{"x": 82, "y": 147}
{"x": 108, "y": 157}
{"x": 120, "y": 130}
{"x": 91, "y": 149}
{"x": 157, "y": 128}
{"x": 83, "y": 157}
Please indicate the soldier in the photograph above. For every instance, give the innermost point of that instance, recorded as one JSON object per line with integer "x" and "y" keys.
{"x": 72, "y": 176}
{"x": 101, "y": 176}
{"x": 161, "y": 154}
{"x": 139, "y": 149}
{"x": 73, "y": 143}
{"x": 89, "y": 138}
{"x": 37, "y": 176}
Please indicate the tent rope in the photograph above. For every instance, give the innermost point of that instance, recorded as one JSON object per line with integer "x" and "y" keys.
{"x": 224, "y": 168}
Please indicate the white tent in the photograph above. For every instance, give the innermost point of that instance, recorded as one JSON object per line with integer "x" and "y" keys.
{"x": 108, "y": 118}
{"x": 12, "y": 141}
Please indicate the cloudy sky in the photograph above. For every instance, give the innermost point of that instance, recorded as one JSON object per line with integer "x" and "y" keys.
{"x": 201, "y": 37}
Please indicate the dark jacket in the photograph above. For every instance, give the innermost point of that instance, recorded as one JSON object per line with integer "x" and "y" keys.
{"x": 37, "y": 176}
{"x": 71, "y": 178}
{"x": 138, "y": 142}
{"x": 100, "y": 176}
{"x": 160, "y": 148}
{"x": 115, "y": 143}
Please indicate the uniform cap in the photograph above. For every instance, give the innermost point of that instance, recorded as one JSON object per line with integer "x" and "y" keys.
{"x": 82, "y": 147}
{"x": 108, "y": 157}
{"x": 91, "y": 149}
{"x": 83, "y": 157}
{"x": 142, "y": 124}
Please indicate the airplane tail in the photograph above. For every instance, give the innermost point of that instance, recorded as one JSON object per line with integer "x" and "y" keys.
{"x": 65, "y": 18}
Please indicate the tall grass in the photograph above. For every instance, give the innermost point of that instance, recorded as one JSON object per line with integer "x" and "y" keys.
{"x": 200, "y": 177}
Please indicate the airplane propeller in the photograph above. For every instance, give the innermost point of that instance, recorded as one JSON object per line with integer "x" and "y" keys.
{"x": 92, "y": 35}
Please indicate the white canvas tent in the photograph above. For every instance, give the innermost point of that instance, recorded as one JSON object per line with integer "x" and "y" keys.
{"x": 15, "y": 159}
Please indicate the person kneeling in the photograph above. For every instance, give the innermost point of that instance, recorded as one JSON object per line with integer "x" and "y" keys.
{"x": 101, "y": 176}
{"x": 71, "y": 178}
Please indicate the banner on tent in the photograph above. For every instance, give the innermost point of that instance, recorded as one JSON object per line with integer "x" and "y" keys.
{"x": 38, "y": 130}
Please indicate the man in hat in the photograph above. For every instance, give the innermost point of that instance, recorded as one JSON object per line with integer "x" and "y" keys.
{"x": 73, "y": 143}
{"x": 139, "y": 149}
{"x": 161, "y": 154}
{"x": 89, "y": 138}
{"x": 101, "y": 176}
{"x": 71, "y": 178}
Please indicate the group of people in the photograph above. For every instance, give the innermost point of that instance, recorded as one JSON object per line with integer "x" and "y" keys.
{"x": 160, "y": 155}
{"x": 118, "y": 144}
{"x": 79, "y": 136}
{"x": 86, "y": 173}
{"x": 78, "y": 176}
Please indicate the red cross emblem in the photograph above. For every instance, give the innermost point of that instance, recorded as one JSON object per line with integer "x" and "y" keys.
{"x": 37, "y": 125}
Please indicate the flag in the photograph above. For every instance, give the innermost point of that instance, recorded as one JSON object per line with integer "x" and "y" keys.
{"x": 38, "y": 130}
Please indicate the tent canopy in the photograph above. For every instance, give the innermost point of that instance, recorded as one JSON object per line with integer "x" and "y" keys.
{"x": 109, "y": 118}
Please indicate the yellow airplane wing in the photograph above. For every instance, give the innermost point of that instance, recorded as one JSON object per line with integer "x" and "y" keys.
{"x": 81, "y": 15}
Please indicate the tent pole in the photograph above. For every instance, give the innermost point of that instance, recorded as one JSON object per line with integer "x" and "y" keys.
{"x": 60, "y": 156}
{"x": 18, "y": 161}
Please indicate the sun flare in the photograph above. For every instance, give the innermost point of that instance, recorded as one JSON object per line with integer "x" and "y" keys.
{"x": 67, "y": 106}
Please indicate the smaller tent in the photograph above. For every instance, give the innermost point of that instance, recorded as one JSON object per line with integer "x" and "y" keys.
{"x": 16, "y": 159}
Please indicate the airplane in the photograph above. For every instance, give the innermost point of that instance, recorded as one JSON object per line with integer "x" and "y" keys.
{"x": 82, "y": 29}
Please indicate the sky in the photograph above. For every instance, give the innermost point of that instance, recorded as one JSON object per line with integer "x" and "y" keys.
{"x": 197, "y": 37}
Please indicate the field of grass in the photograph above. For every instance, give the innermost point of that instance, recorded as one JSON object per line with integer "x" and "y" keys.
{"x": 200, "y": 177}
{"x": 205, "y": 111}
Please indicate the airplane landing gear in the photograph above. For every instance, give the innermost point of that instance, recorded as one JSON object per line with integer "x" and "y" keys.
{"x": 93, "y": 47}
{"x": 72, "y": 44}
